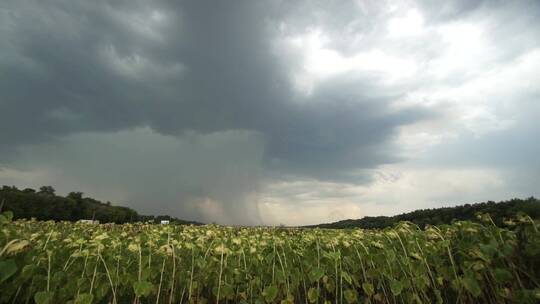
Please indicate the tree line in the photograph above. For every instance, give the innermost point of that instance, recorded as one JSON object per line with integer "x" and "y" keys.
{"x": 45, "y": 204}
{"x": 438, "y": 216}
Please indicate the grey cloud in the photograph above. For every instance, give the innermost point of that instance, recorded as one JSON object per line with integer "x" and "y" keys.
{"x": 341, "y": 128}
{"x": 452, "y": 10}
{"x": 512, "y": 152}
{"x": 228, "y": 79}
{"x": 513, "y": 148}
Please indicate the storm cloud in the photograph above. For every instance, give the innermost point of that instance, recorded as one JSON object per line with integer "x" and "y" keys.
{"x": 196, "y": 67}
{"x": 198, "y": 108}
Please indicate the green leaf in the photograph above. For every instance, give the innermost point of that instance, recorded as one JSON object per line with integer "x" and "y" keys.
{"x": 142, "y": 288}
{"x": 43, "y": 297}
{"x": 6, "y": 217}
{"x": 416, "y": 298}
{"x": 288, "y": 300}
{"x": 438, "y": 297}
{"x": 146, "y": 273}
{"x": 58, "y": 277}
{"x": 415, "y": 256}
{"x": 7, "y": 269}
{"x": 16, "y": 246}
{"x": 472, "y": 286}
{"x": 227, "y": 291}
{"x": 329, "y": 285}
{"x": 502, "y": 275}
{"x": 270, "y": 293}
{"x": 536, "y": 293}
{"x": 312, "y": 295}
{"x": 280, "y": 277}
{"x": 81, "y": 282}
{"x": 396, "y": 287}
{"x": 28, "y": 271}
{"x": 346, "y": 277}
{"x": 368, "y": 288}
{"x": 316, "y": 274}
{"x": 351, "y": 296}
{"x": 84, "y": 298}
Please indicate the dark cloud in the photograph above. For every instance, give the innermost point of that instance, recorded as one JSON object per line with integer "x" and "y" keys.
{"x": 102, "y": 67}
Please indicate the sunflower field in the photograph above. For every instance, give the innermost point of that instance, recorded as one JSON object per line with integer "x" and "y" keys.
{"x": 465, "y": 262}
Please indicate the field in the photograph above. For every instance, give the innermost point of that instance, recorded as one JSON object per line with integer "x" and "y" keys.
{"x": 465, "y": 262}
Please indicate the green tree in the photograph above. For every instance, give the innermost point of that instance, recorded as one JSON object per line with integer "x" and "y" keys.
{"x": 48, "y": 190}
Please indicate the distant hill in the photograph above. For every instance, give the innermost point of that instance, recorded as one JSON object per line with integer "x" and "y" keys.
{"x": 45, "y": 204}
{"x": 498, "y": 211}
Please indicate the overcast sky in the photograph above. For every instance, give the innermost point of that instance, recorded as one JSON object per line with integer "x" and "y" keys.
{"x": 269, "y": 112}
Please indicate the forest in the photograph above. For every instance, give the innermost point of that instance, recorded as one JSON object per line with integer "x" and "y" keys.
{"x": 44, "y": 204}
{"x": 499, "y": 211}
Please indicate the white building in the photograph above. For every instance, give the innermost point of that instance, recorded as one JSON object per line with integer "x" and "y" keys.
{"x": 88, "y": 222}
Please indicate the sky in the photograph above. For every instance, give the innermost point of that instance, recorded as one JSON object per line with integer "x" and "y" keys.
{"x": 272, "y": 112}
